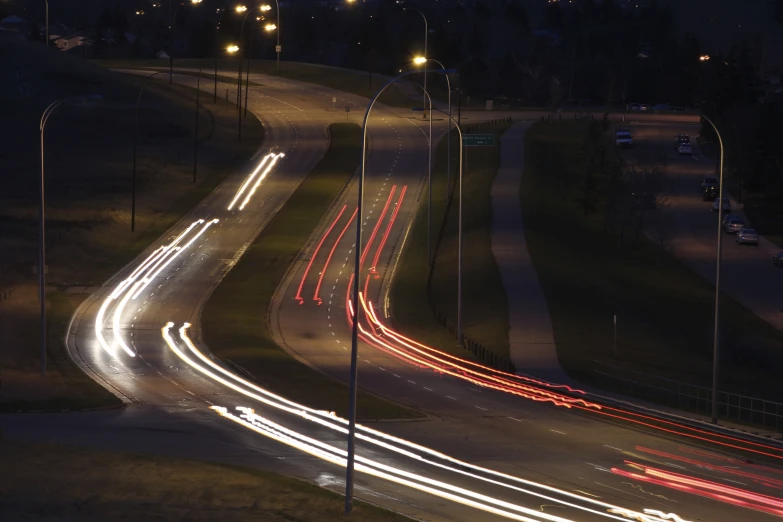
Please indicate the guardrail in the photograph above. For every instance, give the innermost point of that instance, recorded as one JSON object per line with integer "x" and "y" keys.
{"x": 731, "y": 406}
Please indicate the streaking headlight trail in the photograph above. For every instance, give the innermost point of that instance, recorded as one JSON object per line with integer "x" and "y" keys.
{"x": 254, "y": 179}
{"x": 404, "y": 448}
{"x": 138, "y": 280}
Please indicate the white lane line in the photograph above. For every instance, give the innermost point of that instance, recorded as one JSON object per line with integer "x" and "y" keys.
{"x": 450, "y": 397}
{"x": 410, "y": 381}
{"x": 428, "y": 389}
{"x": 560, "y": 432}
{"x": 479, "y": 407}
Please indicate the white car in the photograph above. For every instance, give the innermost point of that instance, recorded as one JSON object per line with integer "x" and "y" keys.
{"x": 726, "y": 205}
{"x": 623, "y": 138}
{"x": 684, "y": 148}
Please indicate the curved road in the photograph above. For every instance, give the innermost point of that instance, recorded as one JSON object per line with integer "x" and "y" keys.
{"x": 527, "y": 461}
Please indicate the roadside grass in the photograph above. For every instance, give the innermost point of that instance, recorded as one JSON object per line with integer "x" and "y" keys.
{"x": 88, "y": 170}
{"x": 664, "y": 310}
{"x": 421, "y": 306}
{"x": 235, "y": 320}
{"x": 55, "y": 482}
{"x": 346, "y": 80}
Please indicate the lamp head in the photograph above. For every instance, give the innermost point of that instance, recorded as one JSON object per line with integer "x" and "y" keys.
{"x": 240, "y": 8}
{"x": 232, "y": 48}
{"x": 420, "y": 60}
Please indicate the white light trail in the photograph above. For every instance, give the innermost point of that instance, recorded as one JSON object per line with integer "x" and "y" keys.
{"x": 259, "y": 179}
{"x": 132, "y": 287}
{"x": 249, "y": 179}
{"x": 331, "y": 421}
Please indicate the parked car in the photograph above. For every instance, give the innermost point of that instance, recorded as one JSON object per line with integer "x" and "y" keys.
{"x": 733, "y": 225}
{"x": 747, "y": 236}
{"x": 726, "y": 205}
{"x": 638, "y": 107}
{"x": 661, "y": 107}
{"x": 680, "y": 139}
{"x": 710, "y": 193}
{"x": 684, "y": 148}
{"x": 707, "y": 181}
{"x": 777, "y": 260}
{"x": 623, "y": 138}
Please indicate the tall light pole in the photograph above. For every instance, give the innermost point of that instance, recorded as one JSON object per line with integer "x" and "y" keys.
{"x": 718, "y": 256}
{"x": 94, "y": 99}
{"x": 355, "y": 299}
{"x": 172, "y": 21}
{"x": 47, "y": 23}
{"x": 278, "y": 47}
{"x": 421, "y": 60}
{"x": 135, "y": 146}
{"x": 426, "y": 34}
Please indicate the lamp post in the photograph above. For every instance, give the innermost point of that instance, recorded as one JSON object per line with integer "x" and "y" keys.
{"x": 426, "y": 34}
{"x": 195, "y": 132}
{"x": 172, "y": 21}
{"x": 278, "y": 48}
{"x": 135, "y": 146}
{"x": 423, "y": 60}
{"x": 93, "y": 99}
{"x": 718, "y": 255}
{"x": 47, "y": 23}
{"x": 355, "y": 298}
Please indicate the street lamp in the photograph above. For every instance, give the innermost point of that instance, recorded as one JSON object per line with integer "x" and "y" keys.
{"x": 135, "y": 146}
{"x": 718, "y": 255}
{"x": 355, "y": 292}
{"x": 87, "y": 101}
{"x": 241, "y": 9}
{"x": 426, "y": 34}
{"x": 421, "y": 60}
{"x": 47, "y": 23}
{"x": 172, "y": 21}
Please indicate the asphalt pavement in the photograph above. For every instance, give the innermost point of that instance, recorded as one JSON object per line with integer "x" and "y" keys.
{"x": 499, "y": 454}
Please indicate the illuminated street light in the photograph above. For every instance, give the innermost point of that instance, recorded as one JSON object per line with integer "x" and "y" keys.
{"x": 240, "y": 8}
{"x": 139, "y": 13}
{"x": 266, "y": 7}
{"x": 270, "y": 27}
{"x": 420, "y": 60}
{"x": 704, "y": 57}
{"x": 232, "y": 48}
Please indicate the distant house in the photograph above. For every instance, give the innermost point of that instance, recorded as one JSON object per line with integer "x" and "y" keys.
{"x": 66, "y": 43}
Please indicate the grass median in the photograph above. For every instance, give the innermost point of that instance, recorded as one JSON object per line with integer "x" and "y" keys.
{"x": 53, "y": 482}
{"x": 421, "y": 307}
{"x": 235, "y": 320}
{"x": 664, "y": 309}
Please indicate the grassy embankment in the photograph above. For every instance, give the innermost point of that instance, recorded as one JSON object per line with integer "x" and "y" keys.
{"x": 664, "y": 309}
{"x": 88, "y": 201}
{"x": 346, "y": 80}
{"x": 235, "y": 319}
{"x": 420, "y": 306}
{"x": 53, "y": 482}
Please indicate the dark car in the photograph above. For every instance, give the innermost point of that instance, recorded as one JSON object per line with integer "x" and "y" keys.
{"x": 708, "y": 181}
{"x": 777, "y": 260}
{"x": 680, "y": 139}
{"x": 710, "y": 193}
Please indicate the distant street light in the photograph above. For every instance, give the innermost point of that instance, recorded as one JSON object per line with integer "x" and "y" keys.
{"x": 355, "y": 293}
{"x": 232, "y": 48}
{"x": 704, "y": 57}
{"x": 270, "y": 27}
{"x": 421, "y": 60}
{"x": 87, "y": 101}
{"x": 426, "y": 33}
{"x": 135, "y": 146}
{"x": 718, "y": 256}
{"x": 241, "y": 8}
{"x": 172, "y": 22}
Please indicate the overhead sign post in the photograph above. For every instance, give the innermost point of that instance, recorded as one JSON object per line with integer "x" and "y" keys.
{"x": 478, "y": 140}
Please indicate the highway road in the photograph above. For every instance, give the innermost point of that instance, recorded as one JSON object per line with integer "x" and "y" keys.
{"x": 575, "y": 451}
{"x": 690, "y": 227}
{"x": 499, "y": 453}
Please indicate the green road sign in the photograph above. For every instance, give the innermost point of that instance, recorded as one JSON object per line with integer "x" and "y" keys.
{"x": 478, "y": 140}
